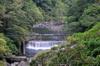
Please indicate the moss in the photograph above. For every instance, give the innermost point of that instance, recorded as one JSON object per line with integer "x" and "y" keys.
{"x": 1, "y": 63}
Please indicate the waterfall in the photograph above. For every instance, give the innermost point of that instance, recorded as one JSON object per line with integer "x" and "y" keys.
{"x": 42, "y": 45}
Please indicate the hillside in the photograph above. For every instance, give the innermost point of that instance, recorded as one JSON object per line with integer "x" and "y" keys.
{"x": 82, "y": 49}
{"x": 78, "y": 19}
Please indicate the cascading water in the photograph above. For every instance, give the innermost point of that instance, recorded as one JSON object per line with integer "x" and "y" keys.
{"x": 42, "y": 45}
{"x": 33, "y": 47}
{"x": 50, "y": 33}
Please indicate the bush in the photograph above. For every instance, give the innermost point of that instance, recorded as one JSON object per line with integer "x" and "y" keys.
{"x": 1, "y": 63}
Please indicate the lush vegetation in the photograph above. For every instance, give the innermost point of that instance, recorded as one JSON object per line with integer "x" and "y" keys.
{"x": 17, "y": 18}
{"x": 81, "y": 18}
{"x": 83, "y": 46}
{"x": 83, "y": 49}
{"x": 82, "y": 15}
{"x": 1, "y": 63}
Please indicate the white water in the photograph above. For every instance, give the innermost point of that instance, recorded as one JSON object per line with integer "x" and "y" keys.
{"x": 42, "y": 45}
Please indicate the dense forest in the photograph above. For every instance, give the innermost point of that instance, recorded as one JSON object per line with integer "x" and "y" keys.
{"x": 81, "y": 19}
{"x": 81, "y": 23}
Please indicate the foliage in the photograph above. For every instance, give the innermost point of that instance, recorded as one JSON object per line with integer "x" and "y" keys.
{"x": 1, "y": 63}
{"x": 52, "y": 9}
{"x": 4, "y": 49}
{"x": 82, "y": 15}
{"x": 16, "y": 21}
{"x": 82, "y": 49}
{"x": 17, "y": 18}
